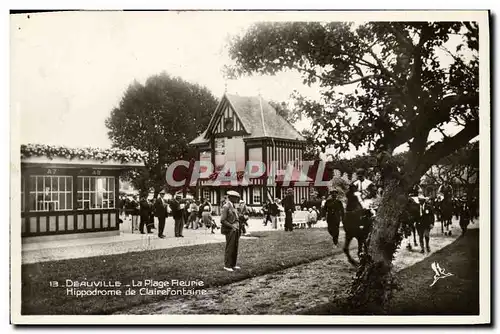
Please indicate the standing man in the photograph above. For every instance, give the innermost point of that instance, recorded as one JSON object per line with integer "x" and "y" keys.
{"x": 243, "y": 217}
{"x": 289, "y": 207}
{"x": 144, "y": 214}
{"x": 322, "y": 212}
{"x": 161, "y": 213}
{"x": 135, "y": 205}
{"x": 231, "y": 229}
{"x": 274, "y": 212}
{"x": 151, "y": 224}
{"x": 186, "y": 206}
{"x": 267, "y": 213}
{"x": 178, "y": 214}
{"x": 465, "y": 216}
{"x": 334, "y": 211}
{"x": 425, "y": 223}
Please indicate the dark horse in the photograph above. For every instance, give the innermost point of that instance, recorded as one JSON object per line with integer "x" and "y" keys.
{"x": 357, "y": 224}
{"x": 409, "y": 218}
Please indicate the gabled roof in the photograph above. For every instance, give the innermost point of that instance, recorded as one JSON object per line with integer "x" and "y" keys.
{"x": 201, "y": 139}
{"x": 259, "y": 119}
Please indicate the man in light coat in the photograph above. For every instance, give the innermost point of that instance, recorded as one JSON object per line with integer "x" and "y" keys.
{"x": 230, "y": 227}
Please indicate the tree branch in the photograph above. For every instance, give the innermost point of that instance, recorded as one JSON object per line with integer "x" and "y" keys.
{"x": 358, "y": 80}
{"x": 457, "y": 59}
{"x": 326, "y": 77}
{"x": 428, "y": 120}
{"x": 382, "y": 68}
{"x": 309, "y": 72}
{"x": 447, "y": 146}
{"x": 403, "y": 39}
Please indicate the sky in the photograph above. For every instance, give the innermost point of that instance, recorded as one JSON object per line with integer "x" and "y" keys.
{"x": 69, "y": 70}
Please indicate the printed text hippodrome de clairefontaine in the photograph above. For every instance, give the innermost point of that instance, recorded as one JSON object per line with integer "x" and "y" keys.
{"x": 144, "y": 287}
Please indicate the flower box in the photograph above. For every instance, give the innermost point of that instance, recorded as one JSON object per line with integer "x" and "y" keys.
{"x": 36, "y": 153}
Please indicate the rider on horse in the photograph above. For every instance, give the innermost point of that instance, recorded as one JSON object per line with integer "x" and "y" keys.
{"x": 366, "y": 191}
{"x": 410, "y": 216}
{"x": 445, "y": 203}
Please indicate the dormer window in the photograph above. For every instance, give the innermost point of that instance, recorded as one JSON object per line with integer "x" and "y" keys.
{"x": 228, "y": 124}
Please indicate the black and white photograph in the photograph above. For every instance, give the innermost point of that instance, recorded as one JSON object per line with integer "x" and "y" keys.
{"x": 250, "y": 167}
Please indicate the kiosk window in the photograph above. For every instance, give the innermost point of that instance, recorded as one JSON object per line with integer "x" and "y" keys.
{"x": 96, "y": 192}
{"x": 51, "y": 193}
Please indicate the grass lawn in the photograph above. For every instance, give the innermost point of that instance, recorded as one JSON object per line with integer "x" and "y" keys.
{"x": 453, "y": 295}
{"x": 272, "y": 251}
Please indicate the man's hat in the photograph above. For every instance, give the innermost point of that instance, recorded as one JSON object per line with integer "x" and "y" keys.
{"x": 360, "y": 171}
{"x": 233, "y": 193}
{"x": 162, "y": 192}
{"x": 289, "y": 190}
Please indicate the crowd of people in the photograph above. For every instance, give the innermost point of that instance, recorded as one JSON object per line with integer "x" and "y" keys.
{"x": 420, "y": 220}
{"x": 419, "y": 217}
{"x": 142, "y": 211}
{"x": 187, "y": 213}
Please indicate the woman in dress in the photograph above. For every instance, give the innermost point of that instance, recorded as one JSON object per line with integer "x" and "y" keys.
{"x": 206, "y": 216}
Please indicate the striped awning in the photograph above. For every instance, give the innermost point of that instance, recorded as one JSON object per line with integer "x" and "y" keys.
{"x": 238, "y": 180}
{"x": 295, "y": 176}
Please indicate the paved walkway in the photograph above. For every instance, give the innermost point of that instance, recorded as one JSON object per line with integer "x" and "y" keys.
{"x": 125, "y": 242}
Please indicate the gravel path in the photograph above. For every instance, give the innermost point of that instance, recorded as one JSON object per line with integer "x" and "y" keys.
{"x": 288, "y": 291}
{"x": 123, "y": 243}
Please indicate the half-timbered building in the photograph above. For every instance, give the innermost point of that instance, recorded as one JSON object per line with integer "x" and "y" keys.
{"x": 249, "y": 129}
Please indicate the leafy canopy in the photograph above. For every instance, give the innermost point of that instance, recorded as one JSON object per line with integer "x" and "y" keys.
{"x": 160, "y": 117}
{"x": 461, "y": 166}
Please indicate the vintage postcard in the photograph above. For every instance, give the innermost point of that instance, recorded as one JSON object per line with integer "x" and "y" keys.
{"x": 250, "y": 167}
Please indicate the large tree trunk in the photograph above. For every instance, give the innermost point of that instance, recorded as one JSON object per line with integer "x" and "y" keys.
{"x": 373, "y": 284}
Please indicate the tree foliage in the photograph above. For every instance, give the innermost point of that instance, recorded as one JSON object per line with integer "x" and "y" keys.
{"x": 160, "y": 117}
{"x": 460, "y": 167}
{"x": 292, "y": 115}
{"x": 382, "y": 85}
{"x": 401, "y": 88}
{"x": 311, "y": 151}
{"x": 368, "y": 162}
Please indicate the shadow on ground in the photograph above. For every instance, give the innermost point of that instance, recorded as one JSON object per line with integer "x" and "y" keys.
{"x": 454, "y": 295}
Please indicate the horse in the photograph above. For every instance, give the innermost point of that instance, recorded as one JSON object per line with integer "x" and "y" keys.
{"x": 357, "y": 224}
{"x": 409, "y": 218}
